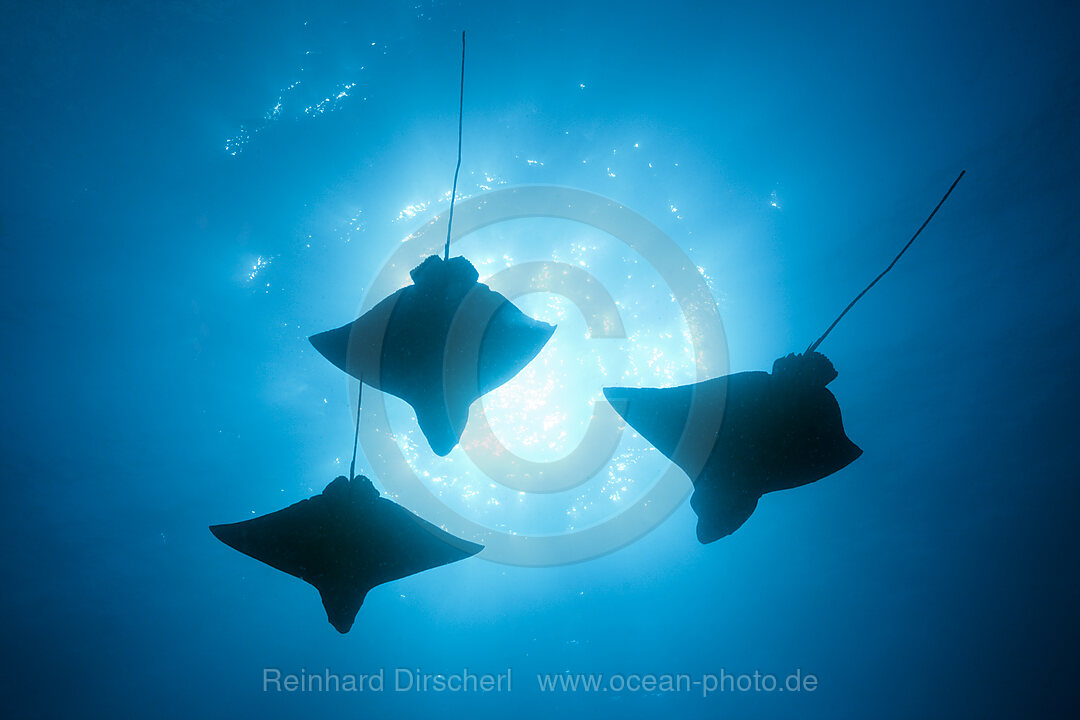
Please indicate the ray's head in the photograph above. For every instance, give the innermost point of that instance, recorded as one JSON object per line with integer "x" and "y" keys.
{"x": 809, "y": 369}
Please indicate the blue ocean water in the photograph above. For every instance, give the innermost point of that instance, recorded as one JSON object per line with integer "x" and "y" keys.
{"x": 191, "y": 189}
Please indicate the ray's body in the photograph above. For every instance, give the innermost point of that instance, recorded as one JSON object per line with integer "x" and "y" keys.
{"x": 344, "y": 542}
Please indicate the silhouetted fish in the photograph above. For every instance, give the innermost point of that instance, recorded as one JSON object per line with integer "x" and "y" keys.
{"x": 743, "y": 435}
{"x": 345, "y": 541}
{"x": 438, "y": 344}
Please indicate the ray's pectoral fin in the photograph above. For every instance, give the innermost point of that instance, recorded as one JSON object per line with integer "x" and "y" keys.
{"x": 511, "y": 341}
{"x": 721, "y": 510}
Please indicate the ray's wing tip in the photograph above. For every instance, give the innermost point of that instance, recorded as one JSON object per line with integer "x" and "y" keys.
{"x": 854, "y": 454}
{"x": 319, "y": 343}
{"x": 221, "y": 532}
{"x": 470, "y": 549}
{"x": 333, "y": 345}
